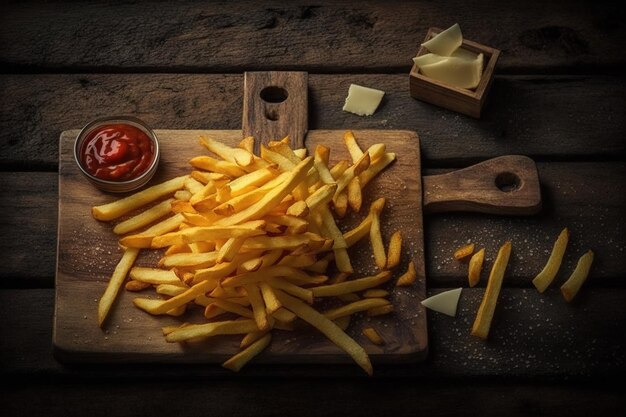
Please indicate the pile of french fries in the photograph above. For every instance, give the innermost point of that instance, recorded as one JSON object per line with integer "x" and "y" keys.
{"x": 254, "y": 239}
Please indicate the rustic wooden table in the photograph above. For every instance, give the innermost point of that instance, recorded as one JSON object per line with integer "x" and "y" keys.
{"x": 558, "y": 96}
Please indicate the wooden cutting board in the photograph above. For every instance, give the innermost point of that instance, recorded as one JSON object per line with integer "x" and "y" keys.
{"x": 87, "y": 249}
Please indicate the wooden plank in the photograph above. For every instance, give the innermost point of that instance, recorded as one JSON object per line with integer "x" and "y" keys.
{"x": 337, "y": 398}
{"x": 534, "y": 336}
{"x": 88, "y": 252}
{"x": 327, "y": 37}
{"x": 520, "y": 119}
{"x": 587, "y": 197}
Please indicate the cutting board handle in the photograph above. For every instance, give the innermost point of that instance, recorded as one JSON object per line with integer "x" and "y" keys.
{"x": 504, "y": 185}
{"x": 275, "y": 105}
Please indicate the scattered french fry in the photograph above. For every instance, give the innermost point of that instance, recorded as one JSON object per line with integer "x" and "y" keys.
{"x": 113, "y": 287}
{"x": 547, "y": 274}
{"x": 464, "y": 251}
{"x": 373, "y": 336}
{"x": 570, "y": 288}
{"x": 475, "y": 267}
{"x": 408, "y": 277}
{"x": 395, "y": 250}
{"x": 490, "y": 298}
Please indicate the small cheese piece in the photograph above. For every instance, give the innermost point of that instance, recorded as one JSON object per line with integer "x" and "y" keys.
{"x": 456, "y": 71}
{"x": 362, "y": 100}
{"x": 446, "y": 42}
{"x": 427, "y": 59}
{"x": 445, "y": 302}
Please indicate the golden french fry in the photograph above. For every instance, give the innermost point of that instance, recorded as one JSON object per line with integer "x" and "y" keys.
{"x": 490, "y": 298}
{"x": 408, "y": 277}
{"x": 247, "y": 144}
{"x": 120, "y": 207}
{"x": 240, "y": 359}
{"x": 232, "y": 307}
{"x": 355, "y": 197}
{"x": 355, "y": 285}
{"x": 475, "y": 267}
{"x": 289, "y": 288}
{"x": 228, "y": 251}
{"x": 395, "y": 250}
{"x": 380, "y": 311}
{"x": 269, "y": 298}
{"x": 187, "y": 259}
{"x": 464, "y": 251}
{"x": 222, "y": 167}
{"x": 171, "y": 289}
{"x": 373, "y": 336}
{"x": 376, "y": 239}
{"x": 375, "y": 168}
{"x": 135, "y": 286}
{"x": 340, "y": 203}
{"x": 359, "y": 232}
{"x": 570, "y": 288}
{"x": 144, "y": 218}
{"x": 194, "y": 331}
{"x": 237, "y": 156}
{"x": 353, "y": 147}
{"x": 284, "y": 315}
{"x": 376, "y": 293}
{"x": 154, "y": 276}
{"x": 252, "y": 337}
{"x": 113, "y": 287}
{"x": 547, "y": 274}
{"x": 144, "y": 239}
{"x": 328, "y": 328}
{"x": 258, "y": 307}
{"x": 163, "y": 306}
{"x": 355, "y": 307}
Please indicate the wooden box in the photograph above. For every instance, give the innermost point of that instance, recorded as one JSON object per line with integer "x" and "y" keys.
{"x": 461, "y": 100}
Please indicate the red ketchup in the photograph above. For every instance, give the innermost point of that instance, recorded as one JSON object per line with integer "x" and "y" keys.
{"x": 117, "y": 152}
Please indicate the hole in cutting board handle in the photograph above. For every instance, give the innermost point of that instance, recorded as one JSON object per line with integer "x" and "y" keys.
{"x": 508, "y": 182}
{"x": 274, "y": 94}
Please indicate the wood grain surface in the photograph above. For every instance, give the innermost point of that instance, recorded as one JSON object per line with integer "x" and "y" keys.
{"x": 88, "y": 253}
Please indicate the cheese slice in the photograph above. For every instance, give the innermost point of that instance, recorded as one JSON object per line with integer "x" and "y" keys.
{"x": 427, "y": 59}
{"x": 362, "y": 100}
{"x": 445, "y": 302}
{"x": 464, "y": 54}
{"x": 459, "y": 72}
{"x": 445, "y": 42}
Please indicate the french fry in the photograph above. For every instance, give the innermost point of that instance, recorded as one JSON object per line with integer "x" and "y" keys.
{"x": 135, "y": 286}
{"x": 376, "y": 293}
{"x": 375, "y": 168}
{"x": 570, "y": 288}
{"x": 408, "y": 277}
{"x": 464, "y": 251}
{"x": 490, "y": 298}
{"x": 394, "y": 251}
{"x": 232, "y": 307}
{"x": 223, "y": 167}
{"x": 228, "y": 251}
{"x": 355, "y": 285}
{"x": 355, "y": 307}
{"x": 549, "y": 271}
{"x": 355, "y": 197}
{"x": 373, "y": 336}
{"x": 237, "y": 156}
{"x": 120, "y": 207}
{"x": 353, "y": 147}
{"x": 380, "y": 311}
{"x": 269, "y": 298}
{"x": 258, "y": 307}
{"x": 194, "y": 331}
{"x": 240, "y": 359}
{"x": 475, "y": 267}
{"x": 359, "y": 232}
{"x": 188, "y": 259}
{"x": 247, "y": 143}
{"x": 154, "y": 276}
{"x": 113, "y": 287}
{"x": 328, "y": 328}
{"x": 376, "y": 240}
{"x": 144, "y": 239}
{"x": 340, "y": 204}
{"x": 144, "y": 218}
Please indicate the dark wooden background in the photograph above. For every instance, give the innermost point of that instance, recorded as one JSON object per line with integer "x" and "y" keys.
{"x": 559, "y": 97}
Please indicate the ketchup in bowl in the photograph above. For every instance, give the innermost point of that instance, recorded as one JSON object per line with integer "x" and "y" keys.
{"x": 117, "y": 152}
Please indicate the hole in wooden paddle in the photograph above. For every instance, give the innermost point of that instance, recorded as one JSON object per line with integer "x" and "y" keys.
{"x": 274, "y": 94}
{"x": 271, "y": 114}
{"x": 507, "y": 182}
